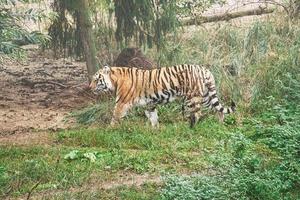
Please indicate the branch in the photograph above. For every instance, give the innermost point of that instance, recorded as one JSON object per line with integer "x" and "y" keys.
{"x": 225, "y": 17}
{"x": 33, "y": 187}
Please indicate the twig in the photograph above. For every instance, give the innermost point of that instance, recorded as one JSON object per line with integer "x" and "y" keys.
{"x": 50, "y": 82}
{"x": 80, "y": 84}
{"x": 31, "y": 190}
{"x": 7, "y": 192}
{"x": 56, "y": 83}
{"x": 85, "y": 92}
{"x": 277, "y": 4}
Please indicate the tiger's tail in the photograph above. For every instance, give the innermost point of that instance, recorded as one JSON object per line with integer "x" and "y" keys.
{"x": 211, "y": 100}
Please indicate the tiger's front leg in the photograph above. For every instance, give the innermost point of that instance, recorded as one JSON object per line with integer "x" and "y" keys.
{"x": 120, "y": 111}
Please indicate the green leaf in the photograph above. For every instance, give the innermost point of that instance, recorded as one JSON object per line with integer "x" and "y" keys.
{"x": 91, "y": 156}
{"x": 73, "y": 155}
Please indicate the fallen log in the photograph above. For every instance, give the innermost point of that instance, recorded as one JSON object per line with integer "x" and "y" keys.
{"x": 224, "y": 16}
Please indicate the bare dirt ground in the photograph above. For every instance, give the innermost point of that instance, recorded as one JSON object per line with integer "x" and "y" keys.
{"x": 37, "y": 95}
{"x": 96, "y": 185}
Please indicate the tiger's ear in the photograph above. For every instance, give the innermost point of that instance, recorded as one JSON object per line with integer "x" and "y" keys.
{"x": 106, "y": 69}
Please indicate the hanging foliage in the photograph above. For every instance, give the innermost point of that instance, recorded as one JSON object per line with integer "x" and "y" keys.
{"x": 13, "y": 34}
{"x": 148, "y": 21}
{"x": 145, "y": 22}
{"x": 64, "y": 30}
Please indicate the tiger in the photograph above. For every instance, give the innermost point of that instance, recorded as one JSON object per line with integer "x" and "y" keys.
{"x": 195, "y": 84}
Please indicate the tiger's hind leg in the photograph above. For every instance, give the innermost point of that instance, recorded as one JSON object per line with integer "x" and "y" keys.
{"x": 194, "y": 108}
{"x": 221, "y": 117}
{"x": 195, "y": 117}
{"x": 152, "y": 116}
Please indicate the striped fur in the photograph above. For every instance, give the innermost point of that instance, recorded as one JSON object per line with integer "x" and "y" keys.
{"x": 132, "y": 86}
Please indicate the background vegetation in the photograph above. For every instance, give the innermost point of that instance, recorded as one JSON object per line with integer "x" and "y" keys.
{"x": 253, "y": 155}
{"x": 13, "y": 34}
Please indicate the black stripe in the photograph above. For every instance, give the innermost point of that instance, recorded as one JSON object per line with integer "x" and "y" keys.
{"x": 172, "y": 72}
{"x": 166, "y": 75}
{"x": 131, "y": 74}
{"x": 168, "y": 95}
{"x": 155, "y": 85}
{"x": 205, "y": 104}
{"x": 216, "y": 104}
{"x": 145, "y": 88}
{"x": 164, "y": 85}
{"x": 158, "y": 77}
{"x": 176, "y": 68}
{"x": 157, "y": 95}
{"x": 150, "y": 77}
{"x": 118, "y": 98}
{"x": 181, "y": 67}
{"x": 154, "y": 81}
{"x": 172, "y": 92}
{"x": 143, "y": 77}
{"x": 155, "y": 90}
{"x": 213, "y": 96}
{"x": 172, "y": 76}
{"x": 168, "y": 70}
{"x": 205, "y": 95}
{"x": 172, "y": 83}
{"x": 203, "y": 78}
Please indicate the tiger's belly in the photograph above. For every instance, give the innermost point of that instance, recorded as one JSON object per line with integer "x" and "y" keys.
{"x": 161, "y": 97}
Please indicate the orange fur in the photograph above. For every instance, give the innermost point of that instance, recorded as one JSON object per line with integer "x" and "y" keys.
{"x": 134, "y": 86}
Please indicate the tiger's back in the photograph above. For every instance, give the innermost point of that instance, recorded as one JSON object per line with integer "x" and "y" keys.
{"x": 145, "y": 86}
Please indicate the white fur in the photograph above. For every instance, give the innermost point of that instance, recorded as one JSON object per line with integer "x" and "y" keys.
{"x": 108, "y": 82}
{"x": 142, "y": 101}
{"x": 153, "y": 117}
{"x": 219, "y": 107}
{"x": 172, "y": 98}
{"x": 214, "y": 100}
{"x": 212, "y": 93}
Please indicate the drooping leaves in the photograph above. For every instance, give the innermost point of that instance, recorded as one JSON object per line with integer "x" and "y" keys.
{"x": 12, "y": 34}
{"x": 148, "y": 21}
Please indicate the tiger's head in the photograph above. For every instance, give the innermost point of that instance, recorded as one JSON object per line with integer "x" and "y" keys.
{"x": 101, "y": 81}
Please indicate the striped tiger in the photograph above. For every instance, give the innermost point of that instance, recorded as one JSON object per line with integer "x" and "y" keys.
{"x": 133, "y": 86}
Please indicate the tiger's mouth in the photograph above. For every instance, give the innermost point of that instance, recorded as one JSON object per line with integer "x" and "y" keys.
{"x": 99, "y": 90}
{"x": 96, "y": 89}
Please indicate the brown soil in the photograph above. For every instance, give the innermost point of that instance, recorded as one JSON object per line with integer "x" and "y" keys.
{"x": 36, "y": 95}
{"x": 93, "y": 186}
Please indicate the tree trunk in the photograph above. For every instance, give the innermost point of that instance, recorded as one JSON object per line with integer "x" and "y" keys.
{"x": 224, "y": 17}
{"x": 86, "y": 34}
{"x": 295, "y": 10}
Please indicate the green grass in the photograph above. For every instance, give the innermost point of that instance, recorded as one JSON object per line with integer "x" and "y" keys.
{"x": 122, "y": 149}
{"x": 260, "y": 154}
